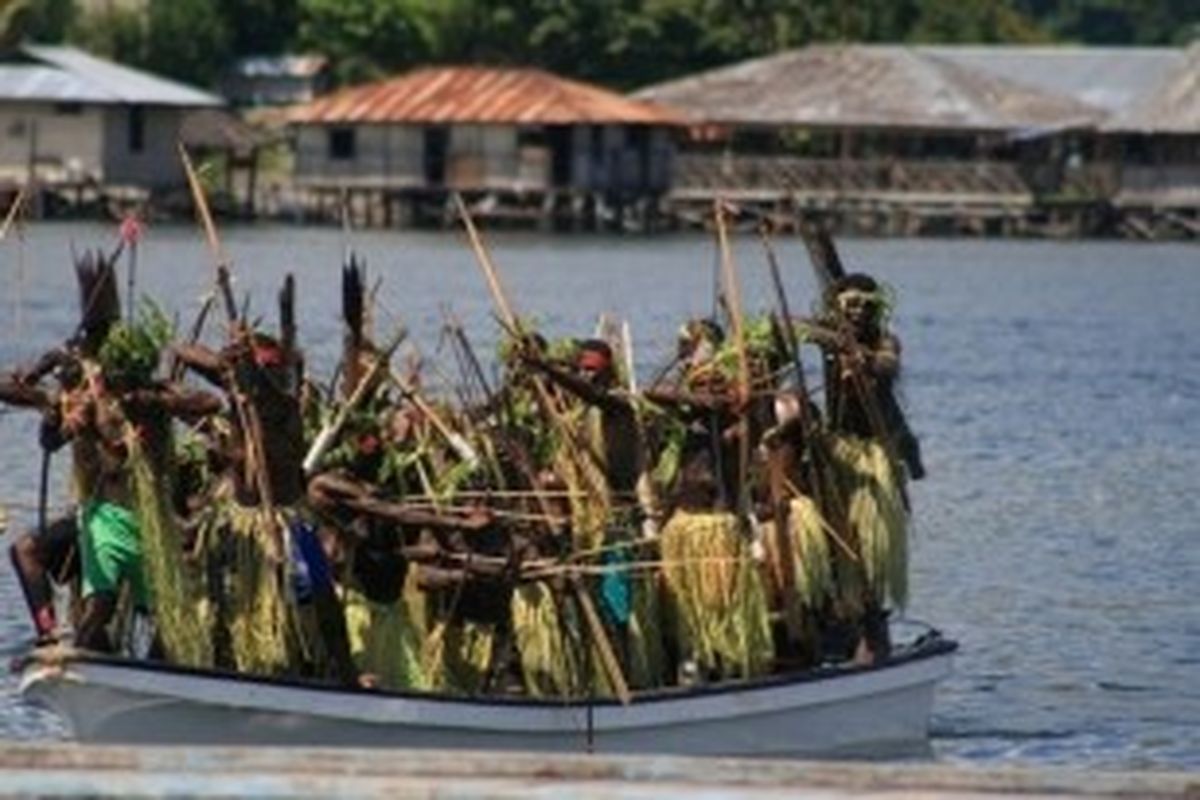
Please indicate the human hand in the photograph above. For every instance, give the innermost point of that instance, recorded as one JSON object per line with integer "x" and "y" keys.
{"x": 478, "y": 518}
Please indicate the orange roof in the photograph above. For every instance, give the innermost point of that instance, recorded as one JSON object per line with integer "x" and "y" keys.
{"x": 444, "y": 95}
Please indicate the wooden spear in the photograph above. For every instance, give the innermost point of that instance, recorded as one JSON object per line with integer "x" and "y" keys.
{"x": 607, "y": 655}
{"x": 256, "y": 464}
{"x": 733, "y": 301}
{"x": 325, "y": 438}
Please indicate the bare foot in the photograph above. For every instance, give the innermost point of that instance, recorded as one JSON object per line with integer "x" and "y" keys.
{"x": 864, "y": 656}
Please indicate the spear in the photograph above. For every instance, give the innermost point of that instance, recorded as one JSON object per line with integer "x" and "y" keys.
{"x": 733, "y": 301}
{"x": 325, "y": 438}
{"x": 256, "y": 465}
{"x": 827, "y": 264}
{"x": 784, "y": 572}
{"x": 9, "y": 220}
{"x": 608, "y": 657}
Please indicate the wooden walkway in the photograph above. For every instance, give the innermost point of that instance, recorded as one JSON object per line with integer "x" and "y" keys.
{"x": 66, "y": 770}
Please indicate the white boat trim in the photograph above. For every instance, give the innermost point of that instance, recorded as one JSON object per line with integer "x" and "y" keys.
{"x": 108, "y": 699}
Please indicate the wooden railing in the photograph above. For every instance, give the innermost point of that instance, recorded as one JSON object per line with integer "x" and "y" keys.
{"x": 697, "y": 173}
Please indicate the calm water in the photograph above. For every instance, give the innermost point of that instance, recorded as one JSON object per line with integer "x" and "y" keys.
{"x": 1056, "y": 388}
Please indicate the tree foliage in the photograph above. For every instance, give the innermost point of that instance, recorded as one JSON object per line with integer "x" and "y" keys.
{"x": 622, "y": 43}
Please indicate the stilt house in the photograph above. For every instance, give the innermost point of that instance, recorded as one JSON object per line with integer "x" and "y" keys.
{"x": 903, "y": 139}
{"x": 70, "y": 118}
{"x": 501, "y": 132}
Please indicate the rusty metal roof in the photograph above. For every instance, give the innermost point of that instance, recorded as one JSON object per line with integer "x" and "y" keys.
{"x": 880, "y": 86}
{"x": 482, "y": 95}
{"x": 1174, "y": 105}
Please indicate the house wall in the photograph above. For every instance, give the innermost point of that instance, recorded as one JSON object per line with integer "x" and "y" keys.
{"x": 156, "y": 164}
{"x": 273, "y": 90}
{"x": 482, "y": 156}
{"x": 65, "y": 140}
{"x": 384, "y": 156}
{"x": 604, "y": 158}
{"x": 622, "y": 159}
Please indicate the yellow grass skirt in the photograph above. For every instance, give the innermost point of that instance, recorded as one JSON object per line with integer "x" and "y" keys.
{"x": 715, "y": 595}
{"x": 875, "y": 508}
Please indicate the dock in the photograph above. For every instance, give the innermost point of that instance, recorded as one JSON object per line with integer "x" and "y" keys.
{"x": 72, "y": 770}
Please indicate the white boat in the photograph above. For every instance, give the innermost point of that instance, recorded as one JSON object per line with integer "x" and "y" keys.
{"x": 828, "y": 711}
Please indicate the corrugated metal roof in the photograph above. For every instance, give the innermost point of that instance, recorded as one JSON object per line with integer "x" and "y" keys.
{"x": 49, "y": 84}
{"x": 482, "y": 95}
{"x": 1111, "y": 78}
{"x": 293, "y": 66}
{"x": 1173, "y": 107}
{"x": 88, "y": 79}
{"x": 884, "y": 86}
{"x": 218, "y": 128}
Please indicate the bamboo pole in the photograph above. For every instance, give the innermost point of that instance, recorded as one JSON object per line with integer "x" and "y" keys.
{"x": 256, "y": 462}
{"x": 607, "y": 656}
{"x": 10, "y": 219}
{"x": 325, "y": 438}
{"x": 733, "y": 301}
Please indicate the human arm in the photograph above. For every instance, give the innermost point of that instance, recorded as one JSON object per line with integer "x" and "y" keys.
{"x": 330, "y": 491}
{"x": 187, "y": 404}
{"x": 587, "y": 392}
{"x": 16, "y": 392}
{"x": 207, "y": 363}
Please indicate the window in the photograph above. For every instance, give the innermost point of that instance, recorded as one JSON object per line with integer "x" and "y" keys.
{"x": 137, "y": 129}
{"x": 342, "y": 144}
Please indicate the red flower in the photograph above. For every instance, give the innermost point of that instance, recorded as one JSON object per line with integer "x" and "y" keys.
{"x": 131, "y": 230}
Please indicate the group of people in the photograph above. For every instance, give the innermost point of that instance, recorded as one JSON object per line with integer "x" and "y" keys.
{"x": 554, "y": 530}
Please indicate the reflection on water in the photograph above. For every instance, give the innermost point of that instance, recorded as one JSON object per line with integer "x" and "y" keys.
{"x": 1056, "y": 388}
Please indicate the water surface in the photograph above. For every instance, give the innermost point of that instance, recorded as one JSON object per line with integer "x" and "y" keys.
{"x": 1056, "y": 387}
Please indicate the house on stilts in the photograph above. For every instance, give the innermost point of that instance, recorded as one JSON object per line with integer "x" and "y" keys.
{"x": 523, "y": 145}
{"x": 82, "y": 129}
{"x": 927, "y": 139}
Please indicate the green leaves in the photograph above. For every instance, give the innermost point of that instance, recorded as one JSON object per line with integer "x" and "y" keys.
{"x": 130, "y": 353}
{"x": 619, "y": 43}
{"x": 368, "y": 39}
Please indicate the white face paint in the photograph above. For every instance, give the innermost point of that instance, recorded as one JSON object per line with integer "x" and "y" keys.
{"x": 787, "y": 408}
{"x": 703, "y": 353}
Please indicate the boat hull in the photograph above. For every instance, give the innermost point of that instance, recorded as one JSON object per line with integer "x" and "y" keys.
{"x": 875, "y": 710}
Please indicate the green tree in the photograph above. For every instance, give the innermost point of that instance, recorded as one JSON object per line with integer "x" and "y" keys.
{"x": 983, "y": 21}
{"x": 368, "y": 38}
{"x": 187, "y": 39}
{"x": 44, "y": 21}
{"x": 115, "y": 33}
{"x": 49, "y": 20}
{"x": 260, "y": 27}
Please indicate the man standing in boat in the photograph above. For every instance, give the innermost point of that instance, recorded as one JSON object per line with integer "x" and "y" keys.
{"x": 259, "y": 374}
{"x": 873, "y": 449}
{"x": 610, "y": 446}
{"x": 47, "y": 555}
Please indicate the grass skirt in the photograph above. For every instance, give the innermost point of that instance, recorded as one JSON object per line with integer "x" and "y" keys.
{"x": 715, "y": 595}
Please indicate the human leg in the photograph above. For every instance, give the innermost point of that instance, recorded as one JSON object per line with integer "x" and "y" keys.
{"x": 40, "y": 559}
{"x": 110, "y": 554}
{"x": 98, "y": 610}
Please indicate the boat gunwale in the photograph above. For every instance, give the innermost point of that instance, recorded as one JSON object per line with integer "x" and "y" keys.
{"x": 928, "y": 646}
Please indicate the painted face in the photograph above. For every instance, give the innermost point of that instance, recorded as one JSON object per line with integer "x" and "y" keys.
{"x": 594, "y": 367}
{"x": 858, "y": 307}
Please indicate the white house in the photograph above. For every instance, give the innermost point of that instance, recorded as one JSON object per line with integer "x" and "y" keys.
{"x": 71, "y": 117}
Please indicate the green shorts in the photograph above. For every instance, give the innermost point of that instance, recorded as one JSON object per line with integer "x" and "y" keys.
{"x": 111, "y": 551}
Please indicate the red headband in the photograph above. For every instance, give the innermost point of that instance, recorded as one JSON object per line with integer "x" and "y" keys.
{"x": 267, "y": 354}
{"x": 595, "y": 360}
